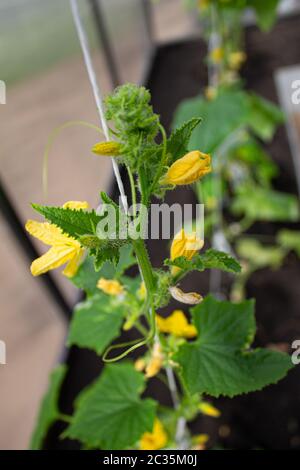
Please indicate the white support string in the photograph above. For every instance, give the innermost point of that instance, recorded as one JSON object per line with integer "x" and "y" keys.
{"x": 96, "y": 91}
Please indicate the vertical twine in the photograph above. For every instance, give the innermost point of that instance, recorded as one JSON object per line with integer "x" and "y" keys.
{"x": 82, "y": 36}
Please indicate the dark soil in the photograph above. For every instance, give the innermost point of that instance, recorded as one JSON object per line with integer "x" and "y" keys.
{"x": 269, "y": 419}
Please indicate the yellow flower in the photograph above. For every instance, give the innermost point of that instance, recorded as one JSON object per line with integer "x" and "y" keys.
{"x": 76, "y": 205}
{"x": 157, "y": 439}
{"x": 236, "y": 59}
{"x": 186, "y": 245}
{"x": 188, "y": 169}
{"x": 109, "y": 149}
{"x": 64, "y": 249}
{"x": 189, "y": 298}
{"x": 176, "y": 324}
{"x": 110, "y": 286}
{"x": 202, "y": 438}
{"x": 140, "y": 364}
{"x": 209, "y": 410}
{"x": 156, "y": 361}
{"x": 217, "y": 55}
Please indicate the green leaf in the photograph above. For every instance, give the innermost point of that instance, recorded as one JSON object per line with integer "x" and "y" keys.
{"x": 258, "y": 255}
{"x": 254, "y": 156}
{"x": 266, "y": 12}
{"x": 214, "y": 259}
{"x": 264, "y": 116}
{"x": 49, "y": 411}
{"x": 289, "y": 240}
{"x": 218, "y": 362}
{"x": 75, "y": 223}
{"x": 108, "y": 252}
{"x": 178, "y": 143}
{"x": 96, "y": 322}
{"x": 258, "y": 203}
{"x": 211, "y": 259}
{"x": 87, "y": 277}
{"x": 111, "y": 415}
{"x": 221, "y": 116}
{"x": 127, "y": 259}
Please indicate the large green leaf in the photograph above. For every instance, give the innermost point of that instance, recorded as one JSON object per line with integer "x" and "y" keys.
{"x": 178, "y": 142}
{"x": 231, "y": 110}
{"x": 211, "y": 259}
{"x": 258, "y": 255}
{"x": 289, "y": 240}
{"x": 266, "y": 11}
{"x": 254, "y": 156}
{"x": 219, "y": 361}
{"x": 75, "y": 223}
{"x": 96, "y": 322}
{"x": 221, "y": 116}
{"x": 111, "y": 415}
{"x": 49, "y": 412}
{"x": 264, "y": 116}
{"x": 258, "y": 203}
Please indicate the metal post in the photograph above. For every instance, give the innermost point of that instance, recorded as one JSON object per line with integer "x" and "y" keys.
{"x": 16, "y": 226}
{"x": 104, "y": 40}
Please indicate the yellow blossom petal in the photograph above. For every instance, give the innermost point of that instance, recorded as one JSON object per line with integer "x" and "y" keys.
{"x": 64, "y": 249}
{"x": 189, "y": 298}
{"x": 188, "y": 169}
{"x": 110, "y": 286}
{"x": 201, "y": 438}
{"x": 46, "y": 233}
{"x": 73, "y": 265}
{"x": 156, "y": 361}
{"x": 110, "y": 149}
{"x": 209, "y": 410}
{"x": 55, "y": 257}
{"x": 217, "y": 55}
{"x": 140, "y": 364}
{"x": 176, "y": 324}
{"x": 155, "y": 440}
{"x": 186, "y": 245}
{"x": 236, "y": 59}
{"x": 76, "y": 205}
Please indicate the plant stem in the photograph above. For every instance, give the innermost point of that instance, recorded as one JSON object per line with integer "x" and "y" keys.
{"x": 140, "y": 327}
{"x": 133, "y": 191}
{"x": 162, "y": 161}
{"x": 147, "y": 276}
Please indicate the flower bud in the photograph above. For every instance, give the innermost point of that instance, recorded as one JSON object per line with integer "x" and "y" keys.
{"x": 109, "y": 149}
{"x": 188, "y": 169}
{"x": 209, "y": 410}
